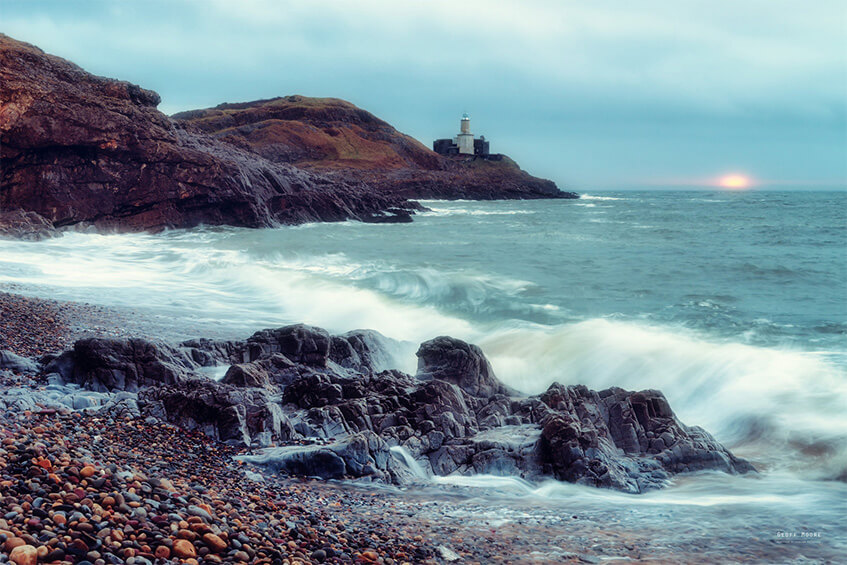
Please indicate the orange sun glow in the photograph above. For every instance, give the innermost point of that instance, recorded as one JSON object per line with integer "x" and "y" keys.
{"x": 735, "y": 182}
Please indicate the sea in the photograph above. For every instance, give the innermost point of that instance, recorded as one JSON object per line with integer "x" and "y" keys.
{"x": 732, "y": 303}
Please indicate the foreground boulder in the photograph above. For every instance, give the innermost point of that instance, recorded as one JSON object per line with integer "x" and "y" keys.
{"x": 358, "y": 455}
{"x": 229, "y": 414}
{"x": 336, "y": 412}
{"x": 452, "y": 360}
{"x": 121, "y": 364}
{"x": 630, "y": 441}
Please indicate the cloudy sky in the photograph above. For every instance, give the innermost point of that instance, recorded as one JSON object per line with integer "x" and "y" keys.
{"x": 613, "y": 94}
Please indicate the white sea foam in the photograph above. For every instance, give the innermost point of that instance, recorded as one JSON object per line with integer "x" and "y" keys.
{"x": 434, "y": 211}
{"x": 592, "y": 197}
{"x": 791, "y": 401}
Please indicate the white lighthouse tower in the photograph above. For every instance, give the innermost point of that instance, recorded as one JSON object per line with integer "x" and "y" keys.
{"x": 465, "y": 138}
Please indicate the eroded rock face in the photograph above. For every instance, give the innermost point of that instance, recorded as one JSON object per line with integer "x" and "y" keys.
{"x": 340, "y": 414}
{"x": 77, "y": 148}
{"x": 27, "y": 226}
{"x": 229, "y": 414}
{"x": 357, "y": 455}
{"x": 452, "y": 360}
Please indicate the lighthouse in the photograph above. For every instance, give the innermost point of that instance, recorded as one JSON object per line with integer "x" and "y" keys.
{"x": 465, "y": 144}
{"x": 465, "y": 138}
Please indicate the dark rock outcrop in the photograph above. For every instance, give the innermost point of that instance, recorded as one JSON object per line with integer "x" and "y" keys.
{"x": 77, "y": 148}
{"x": 341, "y": 413}
{"x": 121, "y": 364}
{"x": 229, "y": 414}
{"x": 452, "y": 360}
{"x": 365, "y": 351}
{"x": 300, "y": 343}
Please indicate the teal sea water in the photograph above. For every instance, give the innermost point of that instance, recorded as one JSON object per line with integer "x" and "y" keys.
{"x": 734, "y": 304}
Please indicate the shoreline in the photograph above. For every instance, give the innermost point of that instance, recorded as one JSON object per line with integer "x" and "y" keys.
{"x": 480, "y": 525}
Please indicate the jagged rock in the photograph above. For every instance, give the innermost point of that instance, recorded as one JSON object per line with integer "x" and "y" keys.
{"x": 264, "y": 373}
{"x": 121, "y": 364}
{"x": 358, "y": 455}
{"x": 227, "y": 413}
{"x": 27, "y": 226}
{"x": 508, "y": 451}
{"x": 452, "y": 360}
{"x": 298, "y": 383}
{"x": 365, "y": 351}
{"x": 299, "y": 343}
{"x": 121, "y": 405}
{"x": 211, "y": 352}
{"x": 630, "y": 441}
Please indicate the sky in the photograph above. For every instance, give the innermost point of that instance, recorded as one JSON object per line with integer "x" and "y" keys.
{"x": 593, "y": 95}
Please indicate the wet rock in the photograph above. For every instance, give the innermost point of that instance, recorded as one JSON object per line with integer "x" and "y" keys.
{"x": 104, "y": 365}
{"x": 299, "y": 343}
{"x": 365, "y": 351}
{"x": 269, "y": 372}
{"x": 227, "y": 413}
{"x": 600, "y": 439}
{"x": 358, "y": 455}
{"x": 452, "y": 360}
{"x": 27, "y": 226}
{"x": 13, "y": 362}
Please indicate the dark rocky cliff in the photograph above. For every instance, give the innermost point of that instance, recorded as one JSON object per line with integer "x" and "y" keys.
{"x": 80, "y": 148}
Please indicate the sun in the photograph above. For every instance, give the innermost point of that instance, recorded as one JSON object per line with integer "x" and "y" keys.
{"x": 735, "y": 182}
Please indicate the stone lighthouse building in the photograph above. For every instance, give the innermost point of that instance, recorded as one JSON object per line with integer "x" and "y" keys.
{"x": 464, "y": 143}
{"x": 465, "y": 138}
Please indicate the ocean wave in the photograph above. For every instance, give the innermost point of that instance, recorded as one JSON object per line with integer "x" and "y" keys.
{"x": 472, "y": 212}
{"x": 591, "y": 197}
{"x": 783, "y": 406}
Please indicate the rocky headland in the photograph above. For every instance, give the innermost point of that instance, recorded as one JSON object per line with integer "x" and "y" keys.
{"x": 338, "y": 139}
{"x": 81, "y": 149}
